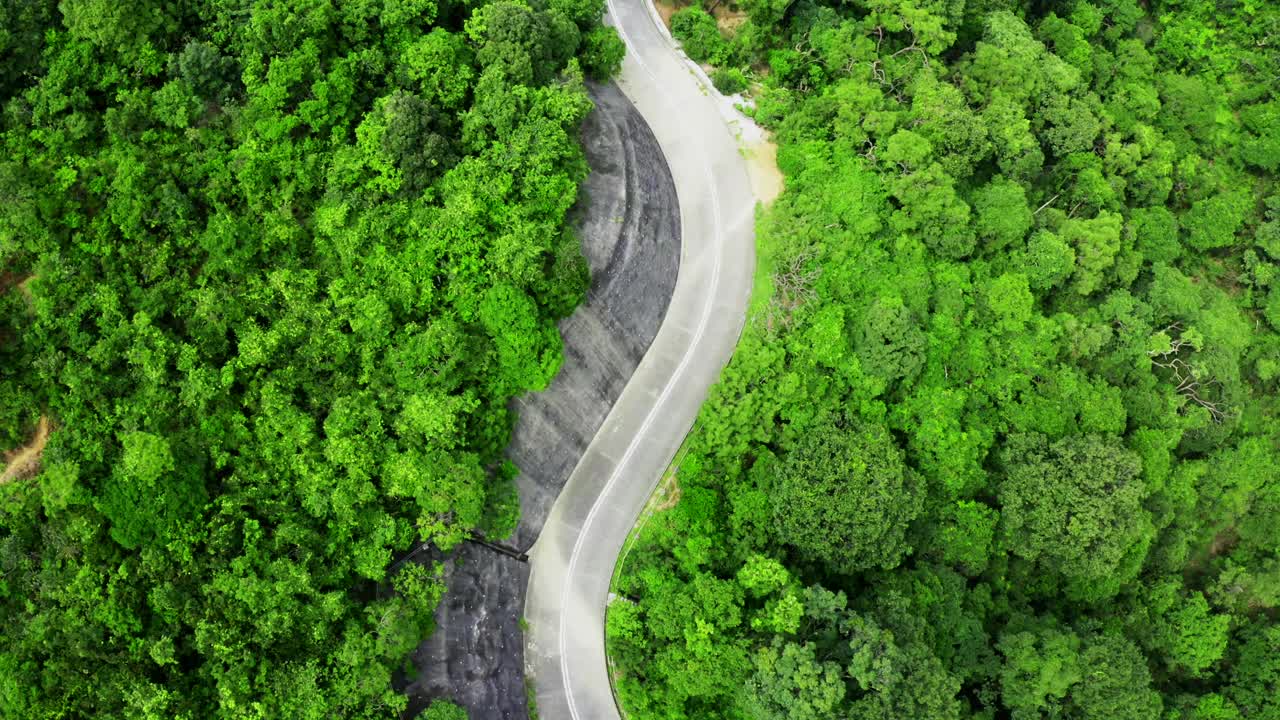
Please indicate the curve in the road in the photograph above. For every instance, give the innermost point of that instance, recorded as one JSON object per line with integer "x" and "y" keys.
{"x": 629, "y": 227}
{"x": 574, "y": 557}
{"x": 703, "y": 321}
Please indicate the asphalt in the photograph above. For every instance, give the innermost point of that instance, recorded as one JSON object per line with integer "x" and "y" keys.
{"x": 574, "y": 556}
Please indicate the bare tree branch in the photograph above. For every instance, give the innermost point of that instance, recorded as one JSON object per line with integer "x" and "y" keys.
{"x": 792, "y": 287}
{"x": 1187, "y": 381}
{"x": 1046, "y": 204}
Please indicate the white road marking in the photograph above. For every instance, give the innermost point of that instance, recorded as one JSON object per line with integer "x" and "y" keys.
{"x": 666, "y": 391}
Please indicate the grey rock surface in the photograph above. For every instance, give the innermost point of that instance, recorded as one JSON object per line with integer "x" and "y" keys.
{"x": 573, "y": 559}
{"x": 629, "y": 226}
{"x": 474, "y": 657}
{"x": 630, "y": 229}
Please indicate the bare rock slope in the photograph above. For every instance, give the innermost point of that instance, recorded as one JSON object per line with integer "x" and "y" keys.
{"x": 630, "y": 230}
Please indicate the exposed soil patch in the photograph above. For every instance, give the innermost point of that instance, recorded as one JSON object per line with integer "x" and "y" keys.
{"x": 24, "y": 462}
{"x": 669, "y": 492}
{"x": 1223, "y": 541}
{"x": 665, "y": 11}
{"x": 728, "y": 15}
{"x": 762, "y": 168}
{"x": 20, "y": 283}
{"x": 24, "y": 289}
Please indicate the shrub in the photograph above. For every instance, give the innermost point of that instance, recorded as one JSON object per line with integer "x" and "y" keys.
{"x": 729, "y": 80}
{"x": 602, "y": 52}
{"x": 698, "y": 33}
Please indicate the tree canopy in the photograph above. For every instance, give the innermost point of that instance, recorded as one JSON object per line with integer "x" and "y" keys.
{"x": 1002, "y": 439}
{"x": 271, "y": 272}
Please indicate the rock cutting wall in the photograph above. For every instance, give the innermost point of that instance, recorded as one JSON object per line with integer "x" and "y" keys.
{"x": 630, "y": 230}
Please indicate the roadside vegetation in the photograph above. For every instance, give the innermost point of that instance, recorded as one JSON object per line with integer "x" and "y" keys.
{"x": 269, "y": 274}
{"x": 1004, "y": 439}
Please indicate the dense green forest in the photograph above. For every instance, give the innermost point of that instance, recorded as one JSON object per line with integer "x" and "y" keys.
{"x": 270, "y": 272}
{"x": 1001, "y": 438}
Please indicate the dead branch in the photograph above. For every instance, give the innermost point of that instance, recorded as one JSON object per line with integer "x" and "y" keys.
{"x": 792, "y": 287}
{"x": 1046, "y": 204}
{"x": 914, "y": 46}
{"x": 1186, "y": 380}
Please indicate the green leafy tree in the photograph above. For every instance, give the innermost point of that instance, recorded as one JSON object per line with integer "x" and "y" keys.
{"x": 1117, "y": 683}
{"x": 932, "y": 209}
{"x": 263, "y": 277}
{"x": 1049, "y": 261}
{"x": 1010, "y": 300}
{"x": 145, "y": 498}
{"x": 1213, "y": 222}
{"x": 441, "y": 63}
{"x": 1096, "y": 244}
{"x": 1001, "y": 215}
{"x": 602, "y": 53}
{"x": 699, "y": 35}
{"x": 443, "y": 710}
{"x": 891, "y": 345}
{"x": 1255, "y": 674}
{"x": 527, "y": 45}
{"x": 897, "y": 680}
{"x": 967, "y": 536}
{"x": 1194, "y": 636}
{"x": 528, "y": 358}
{"x": 1040, "y": 668}
{"x": 763, "y": 575}
{"x": 790, "y": 682}
{"x": 1036, "y": 245}
{"x": 1262, "y": 147}
{"x": 842, "y": 497}
{"x": 1156, "y": 234}
{"x": 1075, "y": 505}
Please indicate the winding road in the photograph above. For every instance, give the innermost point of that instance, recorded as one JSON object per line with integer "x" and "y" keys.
{"x": 573, "y": 559}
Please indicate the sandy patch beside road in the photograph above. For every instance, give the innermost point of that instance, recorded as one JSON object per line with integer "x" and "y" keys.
{"x": 762, "y": 167}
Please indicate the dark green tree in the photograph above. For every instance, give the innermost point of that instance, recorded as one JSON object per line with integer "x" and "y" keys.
{"x": 843, "y": 496}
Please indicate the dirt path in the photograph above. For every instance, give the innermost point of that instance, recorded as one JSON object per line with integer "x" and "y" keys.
{"x": 24, "y": 462}
{"x": 20, "y": 284}
{"x": 24, "y": 289}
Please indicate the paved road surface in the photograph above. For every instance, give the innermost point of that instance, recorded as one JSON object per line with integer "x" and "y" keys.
{"x": 573, "y": 558}
{"x": 629, "y": 226}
